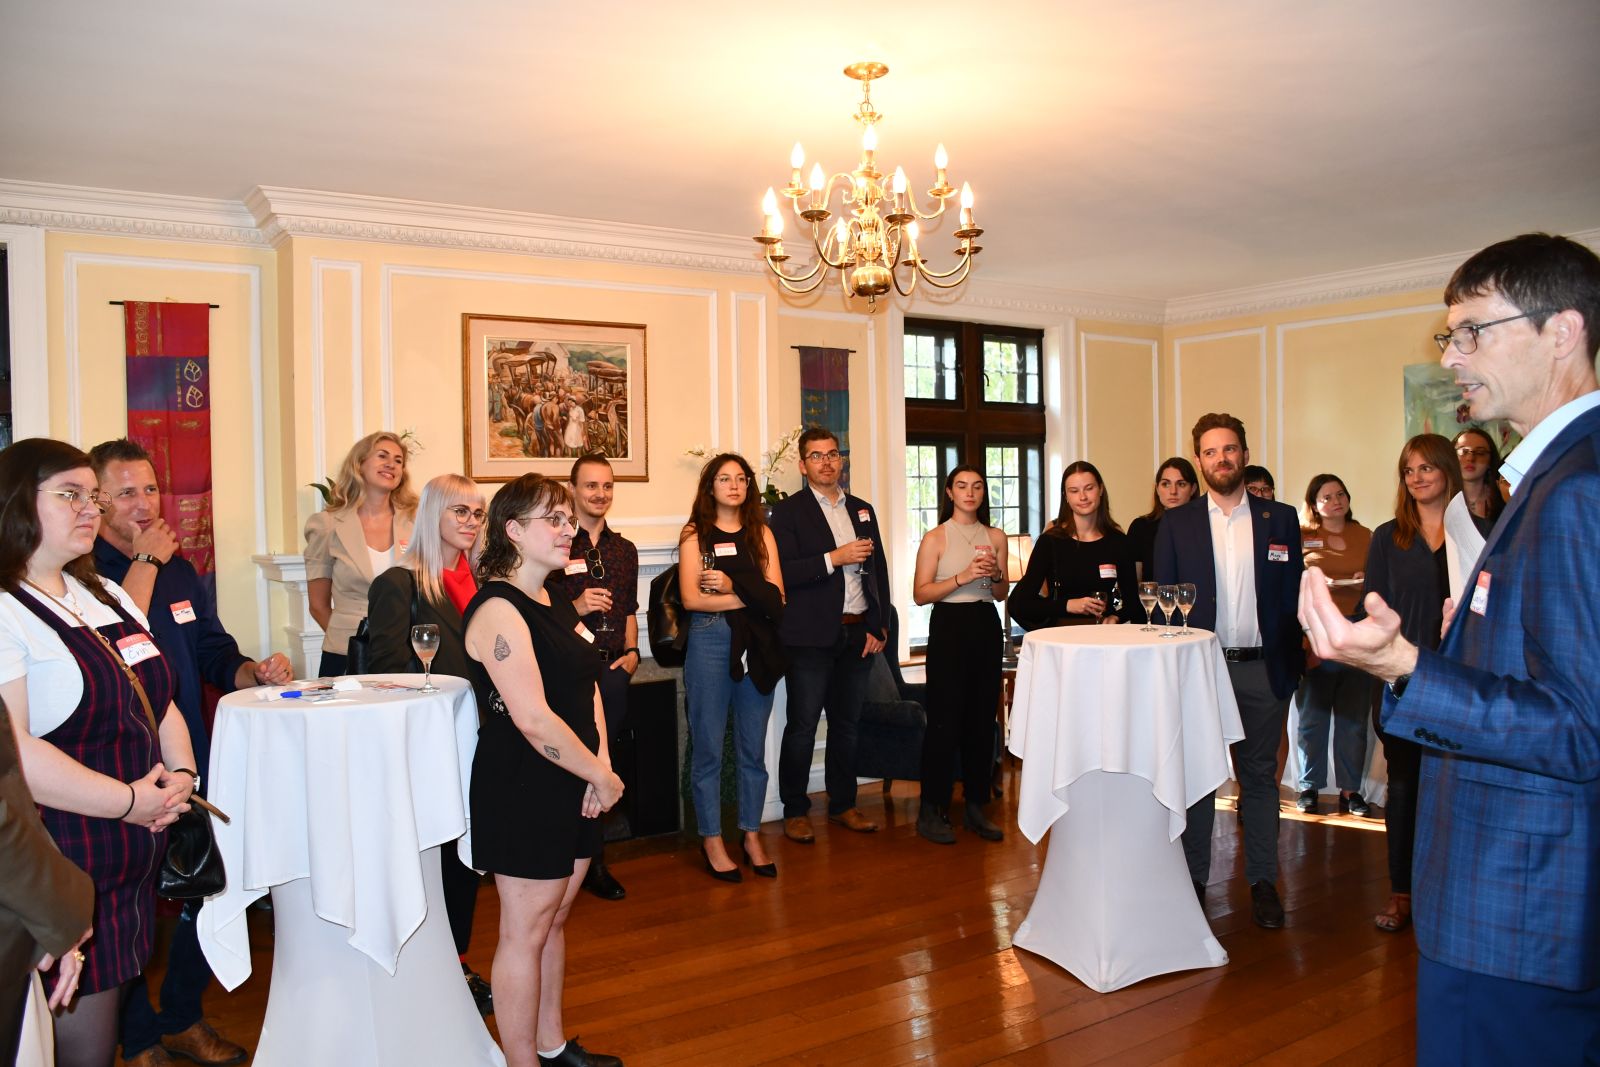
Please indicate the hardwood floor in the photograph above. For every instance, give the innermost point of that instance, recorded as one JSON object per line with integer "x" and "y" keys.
{"x": 885, "y": 949}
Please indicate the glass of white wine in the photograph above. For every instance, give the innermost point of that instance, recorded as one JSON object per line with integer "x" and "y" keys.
{"x": 1167, "y": 596}
{"x": 425, "y": 643}
{"x": 1187, "y": 592}
{"x": 1147, "y": 598}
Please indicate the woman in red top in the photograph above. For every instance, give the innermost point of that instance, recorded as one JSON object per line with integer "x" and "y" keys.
{"x": 432, "y": 584}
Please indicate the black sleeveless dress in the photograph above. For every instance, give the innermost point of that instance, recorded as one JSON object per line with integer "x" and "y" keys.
{"x": 527, "y": 819}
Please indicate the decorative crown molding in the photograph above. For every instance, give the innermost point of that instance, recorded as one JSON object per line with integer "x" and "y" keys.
{"x": 82, "y": 209}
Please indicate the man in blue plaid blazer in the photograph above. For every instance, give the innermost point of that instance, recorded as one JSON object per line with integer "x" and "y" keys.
{"x": 1507, "y": 711}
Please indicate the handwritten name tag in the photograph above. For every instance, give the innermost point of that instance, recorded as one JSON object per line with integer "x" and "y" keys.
{"x": 583, "y": 631}
{"x": 1313, "y": 542}
{"x": 136, "y": 648}
{"x": 725, "y": 548}
{"x": 577, "y": 566}
{"x": 1108, "y": 570}
{"x": 1480, "y": 595}
{"x": 182, "y": 612}
{"x": 863, "y": 515}
{"x": 1278, "y": 553}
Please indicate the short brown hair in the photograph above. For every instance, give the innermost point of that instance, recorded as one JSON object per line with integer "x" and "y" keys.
{"x": 517, "y": 499}
{"x": 1219, "y": 420}
{"x": 813, "y": 434}
{"x": 117, "y": 450}
{"x": 587, "y": 457}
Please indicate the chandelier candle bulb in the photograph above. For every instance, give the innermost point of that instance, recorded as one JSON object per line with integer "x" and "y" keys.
{"x": 966, "y": 205}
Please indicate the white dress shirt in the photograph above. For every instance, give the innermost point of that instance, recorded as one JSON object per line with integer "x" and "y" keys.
{"x": 1233, "y": 553}
{"x": 838, "y": 516}
{"x": 1516, "y": 466}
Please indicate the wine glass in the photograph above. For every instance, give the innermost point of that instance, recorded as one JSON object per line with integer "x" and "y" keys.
{"x": 1167, "y": 597}
{"x": 1147, "y": 597}
{"x": 597, "y": 571}
{"x": 425, "y": 643}
{"x": 985, "y": 554}
{"x": 708, "y": 563}
{"x": 1187, "y": 592}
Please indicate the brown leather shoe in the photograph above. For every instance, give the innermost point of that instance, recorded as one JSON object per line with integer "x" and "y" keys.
{"x": 798, "y": 829}
{"x": 154, "y": 1056}
{"x": 204, "y": 1046}
{"x": 852, "y": 819}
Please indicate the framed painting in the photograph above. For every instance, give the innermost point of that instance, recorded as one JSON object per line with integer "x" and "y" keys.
{"x": 1434, "y": 405}
{"x": 537, "y": 393}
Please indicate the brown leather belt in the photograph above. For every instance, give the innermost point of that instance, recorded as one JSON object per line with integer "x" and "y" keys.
{"x": 851, "y": 620}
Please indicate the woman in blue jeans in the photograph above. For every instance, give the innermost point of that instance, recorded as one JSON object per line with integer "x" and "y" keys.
{"x": 732, "y": 587}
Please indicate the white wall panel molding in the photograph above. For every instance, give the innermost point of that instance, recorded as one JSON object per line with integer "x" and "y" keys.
{"x": 30, "y": 336}
{"x": 1155, "y": 388}
{"x": 1179, "y": 429}
{"x": 320, "y": 268}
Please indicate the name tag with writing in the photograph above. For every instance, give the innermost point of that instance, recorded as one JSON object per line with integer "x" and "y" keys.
{"x": 1312, "y": 542}
{"x": 136, "y": 648}
{"x": 1108, "y": 570}
{"x": 863, "y": 515}
{"x": 182, "y": 612}
{"x": 725, "y": 548}
{"x": 1278, "y": 553}
{"x": 1480, "y": 595}
{"x": 577, "y": 566}
{"x": 583, "y": 631}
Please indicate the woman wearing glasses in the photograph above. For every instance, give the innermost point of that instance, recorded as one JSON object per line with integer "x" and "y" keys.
{"x": 1082, "y": 564}
{"x": 1480, "y": 472}
{"x": 1175, "y": 485}
{"x": 541, "y": 776}
{"x": 731, "y": 585}
{"x": 433, "y": 583}
{"x": 359, "y": 535}
{"x": 84, "y": 681}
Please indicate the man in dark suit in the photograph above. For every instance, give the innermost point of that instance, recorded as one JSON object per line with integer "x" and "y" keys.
{"x": 836, "y": 577}
{"x": 1507, "y": 711}
{"x": 1243, "y": 555}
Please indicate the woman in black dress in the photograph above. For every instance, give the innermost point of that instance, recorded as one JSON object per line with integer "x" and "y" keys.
{"x": 1083, "y": 566}
{"x": 1175, "y": 485}
{"x": 542, "y": 773}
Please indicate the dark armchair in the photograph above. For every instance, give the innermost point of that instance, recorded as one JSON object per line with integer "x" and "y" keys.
{"x": 893, "y": 719}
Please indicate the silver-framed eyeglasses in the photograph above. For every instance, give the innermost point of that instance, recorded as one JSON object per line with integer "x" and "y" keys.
{"x": 731, "y": 479}
{"x": 79, "y": 500}
{"x": 832, "y": 456}
{"x": 1465, "y": 336}
{"x": 464, "y": 514}
{"x": 555, "y": 520}
{"x": 1466, "y": 451}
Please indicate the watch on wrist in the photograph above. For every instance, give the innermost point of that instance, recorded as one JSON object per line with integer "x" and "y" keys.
{"x": 1398, "y": 686}
{"x": 145, "y": 557}
{"x": 635, "y": 650}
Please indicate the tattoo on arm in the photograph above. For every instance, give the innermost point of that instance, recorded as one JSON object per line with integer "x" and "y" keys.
{"x": 553, "y": 752}
{"x": 502, "y": 651}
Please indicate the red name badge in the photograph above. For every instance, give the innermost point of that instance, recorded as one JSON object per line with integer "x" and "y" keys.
{"x": 182, "y": 612}
{"x": 1480, "y": 595}
{"x": 1108, "y": 570}
{"x": 864, "y": 515}
{"x": 1278, "y": 553}
{"x": 136, "y": 648}
{"x": 725, "y": 548}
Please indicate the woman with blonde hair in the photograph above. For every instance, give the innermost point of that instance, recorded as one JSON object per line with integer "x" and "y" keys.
{"x": 433, "y": 583}
{"x": 364, "y": 529}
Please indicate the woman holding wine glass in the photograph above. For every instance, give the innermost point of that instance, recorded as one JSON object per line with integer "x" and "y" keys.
{"x": 732, "y": 586}
{"x": 1083, "y": 563}
{"x": 431, "y": 587}
{"x": 1175, "y": 485}
{"x": 961, "y": 571}
{"x": 1332, "y": 694}
{"x": 1479, "y": 457}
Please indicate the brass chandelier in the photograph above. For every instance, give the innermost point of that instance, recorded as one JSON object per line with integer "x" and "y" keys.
{"x": 873, "y": 243}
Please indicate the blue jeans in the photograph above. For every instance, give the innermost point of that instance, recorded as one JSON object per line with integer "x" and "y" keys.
{"x": 1343, "y": 695}
{"x": 710, "y": 692}
{"x": 188, "y": 974}
{"x": 834, "y": 678}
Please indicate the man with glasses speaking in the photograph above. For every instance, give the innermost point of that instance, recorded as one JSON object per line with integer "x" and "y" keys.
{"x": 1507, "y": 710}
{"x": 602, "y": 581}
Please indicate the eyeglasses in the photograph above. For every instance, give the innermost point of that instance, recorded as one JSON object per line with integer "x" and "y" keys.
{"x": 597, "y": 568}
{"x": 555, "y": 520}
{"x": 1465, "y": 337}
{"x": 817, "y": 457}
{"x": 732, "y": 479}
{"x": 80, "y": 500}
{"x": 1466, "y": 451}
{"x": 464, "y": 514}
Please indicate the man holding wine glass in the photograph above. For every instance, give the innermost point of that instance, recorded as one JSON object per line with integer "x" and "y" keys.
{"x": 1242, "y": 555}
{"x": 602, "y": 581}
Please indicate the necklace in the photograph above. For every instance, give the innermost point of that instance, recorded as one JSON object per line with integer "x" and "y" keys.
{"x": 70, "y": 601}
{"x": 978, "y": 531}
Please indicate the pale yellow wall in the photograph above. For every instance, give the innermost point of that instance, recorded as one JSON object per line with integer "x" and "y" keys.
{"x": 1119, "y": 374}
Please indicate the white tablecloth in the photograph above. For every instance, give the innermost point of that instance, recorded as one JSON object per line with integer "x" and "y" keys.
{"x": 339, "y": 808}
{"x": 1123, "y": 730}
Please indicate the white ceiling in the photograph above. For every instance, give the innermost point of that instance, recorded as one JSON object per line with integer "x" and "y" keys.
{"x": 1149, "y": 149}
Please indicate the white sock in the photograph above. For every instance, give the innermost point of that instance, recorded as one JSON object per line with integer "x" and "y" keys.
{"x": 553, "y": 1053}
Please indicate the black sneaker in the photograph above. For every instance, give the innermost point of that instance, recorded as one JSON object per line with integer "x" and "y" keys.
{"x": 1307, "y": 801}
{"x": 575, "y": 1055}
{"x": 1355, "y": 804}
{"x": 933, "y": 823}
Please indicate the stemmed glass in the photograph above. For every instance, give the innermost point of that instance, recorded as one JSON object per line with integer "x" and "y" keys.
{"x": 985, "y": 552}
{"x": 708, "y": 563}
{"x": 1147, "y": 597}
{"x": 1167, "y": 595}
{"x": 1187, "y": 592}
{"x": 425, "y": 643}
{"x": 597, "y": 571}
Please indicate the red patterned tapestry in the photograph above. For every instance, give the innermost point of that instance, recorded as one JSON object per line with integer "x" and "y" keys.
{"x": 169, "y": 413}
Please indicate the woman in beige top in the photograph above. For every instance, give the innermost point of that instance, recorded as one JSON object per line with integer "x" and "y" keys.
{"x": 1332, "y": 539}
{"x": 362, "y": 533}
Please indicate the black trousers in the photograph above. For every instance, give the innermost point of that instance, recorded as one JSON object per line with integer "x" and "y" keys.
{"x": 1400, "y": 809}
{"x": 963, "y": 695}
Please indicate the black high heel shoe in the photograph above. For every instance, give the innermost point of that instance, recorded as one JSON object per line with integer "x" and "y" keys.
{"x": 765, "y": 870}
{"x": 733, "y": 875}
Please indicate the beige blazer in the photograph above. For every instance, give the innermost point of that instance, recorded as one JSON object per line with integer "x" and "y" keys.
{"x": 337, "y": 549}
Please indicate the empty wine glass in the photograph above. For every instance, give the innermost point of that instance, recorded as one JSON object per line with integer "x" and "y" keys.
{"x": 1167, "y": 597}
{"x": 1147, "y": 597}
{"x": 985, "y": 554}
{"x": 425, "y": 643}
{"x": 1187, "y": 592}
{"x": 597, "y": 571}
{"x": 708, "y": 563}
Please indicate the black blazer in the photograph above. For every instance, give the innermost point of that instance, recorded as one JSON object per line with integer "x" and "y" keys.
{"x": 816, "y": 598}
{"x": 1184, "y": 554}
{"x": 393, "y": 607}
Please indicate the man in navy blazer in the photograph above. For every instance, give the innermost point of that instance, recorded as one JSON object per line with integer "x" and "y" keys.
{"x": 1506, "y": 894}
{"x": 1243, "y": 555}
{"x": 837, "y": 616}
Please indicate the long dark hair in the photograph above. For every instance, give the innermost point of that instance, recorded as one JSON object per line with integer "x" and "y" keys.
{"x": 515, "y": 500}
{"x": 1064, "y": 526}
{"x": 1177, "y": 463}
{"x": 1434, "y": 449}
{"x": 752, "y": 517}
{"x": 947, "y": 506}
{"x": 1491, "y": 477}
{"x": 1314, "y": 487}
{"x": 23, "y": 468}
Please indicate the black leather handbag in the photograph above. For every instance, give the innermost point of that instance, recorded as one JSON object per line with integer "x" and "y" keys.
{"x": 192, "y": 868}
{"x": 667, "y": 621}
{"x": 358, "y": 653}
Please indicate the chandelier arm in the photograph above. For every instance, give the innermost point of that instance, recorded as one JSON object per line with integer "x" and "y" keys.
{"x": 808, "y": 284}
{"x": 917, "y": 211}
{"x": 822, "y": 255}
{"x": 814, "y": 272}
{"x": 933, "y": 277}
{"x": 903, "y": 290}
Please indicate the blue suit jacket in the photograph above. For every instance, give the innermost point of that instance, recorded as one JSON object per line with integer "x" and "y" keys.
{"x": 1507, "y": 873}
{"x": 1183, "y": 554}
{"x": 815, "y": 597}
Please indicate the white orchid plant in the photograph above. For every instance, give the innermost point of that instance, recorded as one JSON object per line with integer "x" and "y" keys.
{"x": 774, "y": 461}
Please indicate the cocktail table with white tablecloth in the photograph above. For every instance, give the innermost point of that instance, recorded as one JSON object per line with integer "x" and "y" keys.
{"x": 340, "y": 808}
{"x": 1119, "y": 731}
